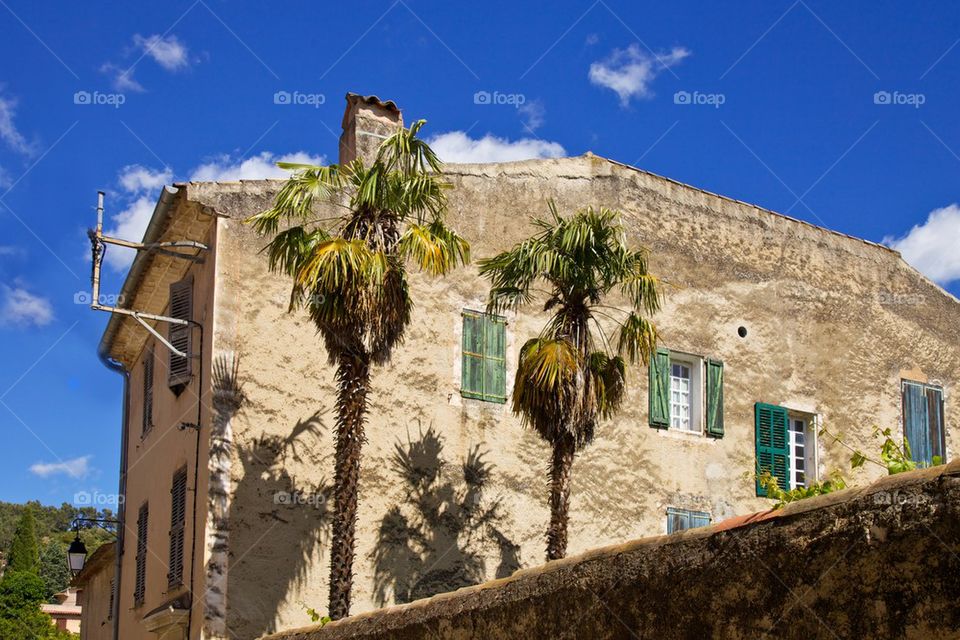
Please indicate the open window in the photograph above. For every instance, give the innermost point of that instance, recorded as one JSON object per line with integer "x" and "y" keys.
{"x": 686, "y": 393}
{"x": 181, "y": 335}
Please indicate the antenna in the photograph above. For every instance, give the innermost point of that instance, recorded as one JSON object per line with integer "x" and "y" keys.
{"x": 98, "y": 243}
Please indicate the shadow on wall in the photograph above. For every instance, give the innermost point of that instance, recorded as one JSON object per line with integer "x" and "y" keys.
{"x": 436, "y": 539}
{"x": 279, "y": 526}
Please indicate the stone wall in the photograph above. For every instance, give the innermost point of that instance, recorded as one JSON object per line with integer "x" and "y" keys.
{"x": 876, "y": 562}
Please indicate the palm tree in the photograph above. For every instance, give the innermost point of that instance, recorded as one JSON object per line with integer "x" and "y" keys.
{"x": 349, "y": 274}
{"x": 570, "y": 375}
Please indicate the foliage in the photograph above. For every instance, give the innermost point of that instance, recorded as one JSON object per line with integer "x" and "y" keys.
{"x": 769, "y": 482}
{"x": 571, "y": 375}
{"x": 24, "y": 553}
{"x": 53, "y": 522}
{"x": 21, "y": 593}
{"x": 53, "y": 568}
{"x": 316, "y": 617}
{"x": 894, "y": 457}
{"x": 348, "y": 272}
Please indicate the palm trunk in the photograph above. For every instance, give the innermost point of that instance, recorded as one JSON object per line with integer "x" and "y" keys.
{"x": 560, "y": 467}
{"x": 353, "y": 383}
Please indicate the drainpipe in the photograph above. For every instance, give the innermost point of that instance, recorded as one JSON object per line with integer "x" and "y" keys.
{"x": 117, "y": 367}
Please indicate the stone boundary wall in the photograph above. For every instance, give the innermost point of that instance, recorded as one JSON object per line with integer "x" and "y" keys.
{"x": 882, "y": 561}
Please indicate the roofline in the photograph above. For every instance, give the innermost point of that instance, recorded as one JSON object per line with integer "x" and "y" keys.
{"x": 158, "y": 223}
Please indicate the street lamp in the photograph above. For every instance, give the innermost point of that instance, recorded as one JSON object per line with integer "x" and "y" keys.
{"x": 77, "y": 553}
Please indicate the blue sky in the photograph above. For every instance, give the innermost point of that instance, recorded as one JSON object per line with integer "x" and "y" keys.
{"x": 842, "y": 114}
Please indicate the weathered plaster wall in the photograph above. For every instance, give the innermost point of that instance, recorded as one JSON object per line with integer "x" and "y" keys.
{"x": 879, "y": 562}
{"x": 833, "y": 322}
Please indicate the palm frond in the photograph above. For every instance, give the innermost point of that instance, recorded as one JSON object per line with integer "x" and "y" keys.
{"x": 637, "y": 338}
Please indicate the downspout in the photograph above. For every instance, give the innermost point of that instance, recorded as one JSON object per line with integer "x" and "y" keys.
{"x": 196, "y": 482}
{"x": 117, "y": 367}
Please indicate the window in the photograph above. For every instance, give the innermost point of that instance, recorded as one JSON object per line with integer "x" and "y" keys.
{"x": 180, "y": 335}
{"x": 686, "y": 393}
{"x": 682, "y": 519}
{"x": 923, "y": 421}
{"x": 178, "y": 516}
{"x": 113, "y": 594}
{"x": 140, "y": 581}
{"x": 484, "y": 357}
{"x": 802, "y": 445}
{"x": 147, "y": 391}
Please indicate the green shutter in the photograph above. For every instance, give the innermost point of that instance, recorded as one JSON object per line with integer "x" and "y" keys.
{"x": 773, "y": 444}
{"x": 659, "y": 390}
{"x": 484, "y": 375}
{"x": 715, "y": 398}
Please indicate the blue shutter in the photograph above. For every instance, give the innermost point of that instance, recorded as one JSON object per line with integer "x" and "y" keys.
{"x": 923, "y": 421}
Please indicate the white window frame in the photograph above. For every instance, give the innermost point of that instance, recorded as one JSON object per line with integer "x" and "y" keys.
{"x": 695, "y": 364}
{"x": 810, "y": 458}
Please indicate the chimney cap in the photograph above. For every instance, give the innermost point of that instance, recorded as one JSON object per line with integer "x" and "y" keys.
{"x": 355, "y": 98}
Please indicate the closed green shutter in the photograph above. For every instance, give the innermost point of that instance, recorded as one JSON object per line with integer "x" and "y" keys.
{"x": 484, "y": 375}
{"x": 715, "y": 398}
{"x": 659, "y": 390}
{"x": 773, "y": 444}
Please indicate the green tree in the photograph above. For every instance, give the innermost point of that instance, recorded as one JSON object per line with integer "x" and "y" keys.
{"x": 349, "y": 274}
{"x": 21, "y": 593}
{"x": 53, "y": 568}
{"x": 24, "y": 554}
{"x": 570, "y": 376}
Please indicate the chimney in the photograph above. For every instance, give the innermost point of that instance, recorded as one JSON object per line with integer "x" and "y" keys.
{"x": 367, "y": 121}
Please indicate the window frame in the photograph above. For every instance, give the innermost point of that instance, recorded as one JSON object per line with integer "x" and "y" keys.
{"x": 483, "y": 356}
{"x": 810, "y": 458}
{"x": 673, "y": 512}
{"x": 925, "y": 386}
{"x": 697, "y": 392}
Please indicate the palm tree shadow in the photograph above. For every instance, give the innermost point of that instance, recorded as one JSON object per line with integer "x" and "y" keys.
{"x": 436, "y": 539}
{"x": 283, "y": 525}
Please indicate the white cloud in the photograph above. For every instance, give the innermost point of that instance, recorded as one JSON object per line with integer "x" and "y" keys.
{"x": 168, "y": 52}
{"x": 8, "y": 129}
{"x": 139, "y": 185}
{"x": 123, "y": 79}
{"x": 75, "y": 468}
{"x": 931, "y": 247}
{"x": 22, "y": 308}
{"x": 533, "y": 113}
{"x": 457, "y": 146}
{"x": 258, "y": 167}
{"x": 629, "y": 72}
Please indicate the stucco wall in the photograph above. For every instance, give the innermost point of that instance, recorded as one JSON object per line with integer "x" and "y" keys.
{"x": 833, "y": 324}
{"x": 881, "y": 562}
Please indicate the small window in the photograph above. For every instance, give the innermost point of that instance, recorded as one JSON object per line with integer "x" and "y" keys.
{"x": 923, "y": 421}
{"x": 140, "y": 581}
{"x": 682, "y": 519}
{"x": 484, "y": 374}
{"x": 178, "y": 517}
{"x": 148, "y": 360}
{"x": 802, "y": 445}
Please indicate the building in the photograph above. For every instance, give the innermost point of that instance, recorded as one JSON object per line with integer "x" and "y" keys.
{"x": 66, "y": 611}
{"x": 795, "y": 326}
{"x": 95, "y": 594}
